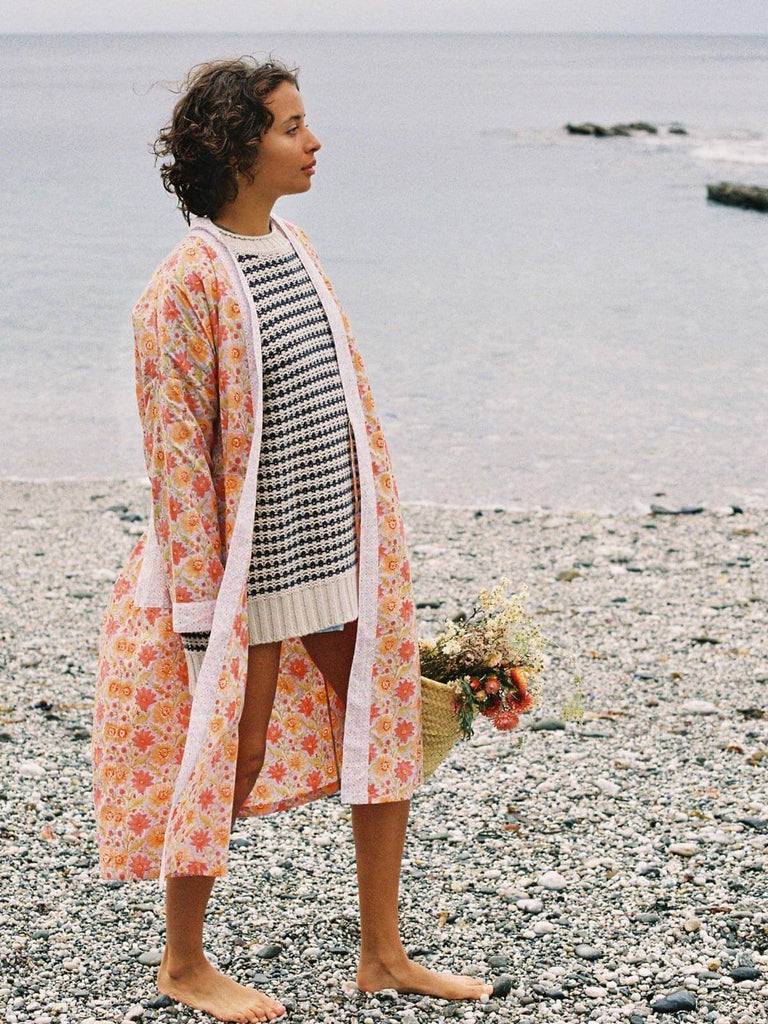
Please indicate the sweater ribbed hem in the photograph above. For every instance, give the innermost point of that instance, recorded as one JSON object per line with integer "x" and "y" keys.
{"x": 304, "y": 609}
{"x": 294, "y": 613}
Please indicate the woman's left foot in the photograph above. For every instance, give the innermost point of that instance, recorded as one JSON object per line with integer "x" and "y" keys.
{"x": 408, "y": 976}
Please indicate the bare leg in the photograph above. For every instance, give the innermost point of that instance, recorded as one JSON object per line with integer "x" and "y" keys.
{"x": 379, "y": 831}
{"x": 185, "y": 974}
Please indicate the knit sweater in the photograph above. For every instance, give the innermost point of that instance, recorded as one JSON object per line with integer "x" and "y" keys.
{"x": 303, "y": 570}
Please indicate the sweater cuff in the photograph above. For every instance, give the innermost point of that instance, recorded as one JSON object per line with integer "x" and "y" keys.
{"x": 194, "y": 660}
{"x": 195, "y": 646}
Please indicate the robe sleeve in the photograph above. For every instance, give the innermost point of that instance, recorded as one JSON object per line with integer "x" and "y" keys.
{"x": 177, "y": 390}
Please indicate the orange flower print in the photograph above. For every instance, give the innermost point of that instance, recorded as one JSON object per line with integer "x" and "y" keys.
{"x": 406, "y": 650}
{"x": 277, "y": 771}
{"x": 162, "y": 713}
{"x": 140, "y": 865}
{"x": 260, "y": 791}
{"x": 141, "y": 780}
{"x": 200, "y": 839}
{"x": 194, "y": 567}
{"x": 274, "y": 732}
{"x": 174, "y": 391}
{"x": 404, "y": 731}
{"x": 156, "y": 837}
{"x": 167, "y": 670}
{"x": 162, "y": 753}
{"x": 386, "y": 481}
{"x": 143, "y": 739}
{"x": 182, "y": 477}
{"x": 144, "y": 697}
{"x": 404, "y": 770}
{"x": 115, "y": 773}
{"x": 309, "y": 743}
{"x": 115, "y": 732}
{"x": 387, "y": 644}
{"x": 386, "y": 682}
{"x": 139, "y": 822}
{"x": 180, "y": 433}
{"x": 148, "y": 345}
{"x": 383, "y": 726}
{"x": 391, "y": 564}
{"x": 306, "y": 706}
{"x": 190, "y": 521}
{"x": 124, "y": 648}
{"x": 405, "y": 690}
{"x": 112, "y": 815}
{"x": 293, "y": 724}
{"x": 235, "y": 445}
{"x": 199, "y": 350}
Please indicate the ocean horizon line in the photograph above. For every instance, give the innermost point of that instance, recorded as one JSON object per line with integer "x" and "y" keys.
{"x": 29, "y": 33}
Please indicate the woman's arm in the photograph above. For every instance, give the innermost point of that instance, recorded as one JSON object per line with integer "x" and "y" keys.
{"x": 177, "y": 391}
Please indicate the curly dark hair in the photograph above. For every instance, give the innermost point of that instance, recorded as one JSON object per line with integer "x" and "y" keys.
{"x": 215, "y": 130}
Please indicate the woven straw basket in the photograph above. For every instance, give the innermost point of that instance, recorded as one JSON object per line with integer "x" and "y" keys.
{"x": 439, "y": 723}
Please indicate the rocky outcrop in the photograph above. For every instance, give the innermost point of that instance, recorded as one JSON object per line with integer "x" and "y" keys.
{"x": 751, "y": 197}
{"x": 600, "y": 131}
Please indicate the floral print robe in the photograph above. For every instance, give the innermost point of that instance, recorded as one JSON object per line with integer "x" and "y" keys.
{"x": 164, "y": 759}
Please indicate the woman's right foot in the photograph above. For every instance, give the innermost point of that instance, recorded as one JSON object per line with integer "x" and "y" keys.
{"x": 202, "y": 987}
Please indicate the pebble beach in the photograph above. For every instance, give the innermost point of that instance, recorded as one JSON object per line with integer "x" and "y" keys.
{"x": 610, "y": 870}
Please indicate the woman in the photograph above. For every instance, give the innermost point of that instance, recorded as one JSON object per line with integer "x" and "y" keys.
{"x": 260, "y": 647}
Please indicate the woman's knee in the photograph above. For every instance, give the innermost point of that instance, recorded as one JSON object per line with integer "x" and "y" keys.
{"x": 250, "y": 759}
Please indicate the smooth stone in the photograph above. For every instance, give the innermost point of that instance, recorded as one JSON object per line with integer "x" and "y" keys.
{"x": 594, "y": 992}
{"x": 134, "y": 1012}
{"x": 673, "y": 1002}
{"x": 502, "y": 986}
{"x": 587, "y": 952}
{"x": 760, "y": 824}
{"x": 530, "y": 906}
{"x": 498, "y": 961}
{"x": 548, "y": 992}
{"x": 684, "y": 849}
{"x": 547, "y": 724}
{"x": 152, "y": 958}
{"x": 552, "y": 880}
{"x": 160, "y": 1002}
{"x": 270, "y": 951}
{"x": 31, "y": 770}
{"x": 543, "y": 928}
{"x": 607, "y": 787}
{"x": 699, "y": 707}
{"x": 744, "y": 973}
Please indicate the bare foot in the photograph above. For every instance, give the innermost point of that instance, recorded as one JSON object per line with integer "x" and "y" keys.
{"x": 408, "y": 976}
{"x": 202, "y": 987}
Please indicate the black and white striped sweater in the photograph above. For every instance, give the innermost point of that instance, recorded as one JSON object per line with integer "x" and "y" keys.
{"x": 303, "y": 571}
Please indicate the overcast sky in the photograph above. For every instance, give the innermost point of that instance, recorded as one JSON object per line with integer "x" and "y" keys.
{"x": 674, "y": 16}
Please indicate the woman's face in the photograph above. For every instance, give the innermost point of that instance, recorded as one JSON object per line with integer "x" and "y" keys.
{"x": 287, "y": 148}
